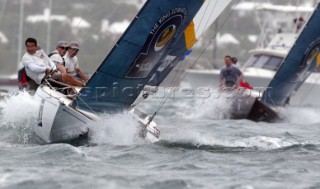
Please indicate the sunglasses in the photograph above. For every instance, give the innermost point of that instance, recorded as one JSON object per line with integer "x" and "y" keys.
{"x": 64, "y": 48}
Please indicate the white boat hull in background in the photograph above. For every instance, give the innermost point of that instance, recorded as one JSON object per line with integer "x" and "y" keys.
{"x": 59, "y": 122}
{"x": 259, "y": 79}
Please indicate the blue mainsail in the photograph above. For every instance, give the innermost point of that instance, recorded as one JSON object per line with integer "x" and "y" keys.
{"x": 156, "y": 31}
{"x": 301, "y": 60}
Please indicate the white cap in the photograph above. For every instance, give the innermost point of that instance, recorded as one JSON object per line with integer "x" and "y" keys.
{"x": 74, "y": 45}
{"x": 62, "y": 44}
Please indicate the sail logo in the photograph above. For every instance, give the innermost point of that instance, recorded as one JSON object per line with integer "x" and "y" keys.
{"x": 165, "y": 37}
{"x": 162, "y": 34}
{"x": 311, "y": 62}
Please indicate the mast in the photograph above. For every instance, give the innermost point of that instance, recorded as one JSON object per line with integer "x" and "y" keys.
{"x": 215, "y": 48}
{"x": 49, "y": 28}
{"x": 20, "y": 32}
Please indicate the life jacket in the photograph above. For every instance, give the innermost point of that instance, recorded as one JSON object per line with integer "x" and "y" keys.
{"x": 49, "y": 55}
{"x": 22, "y": 76}
{"x": 245, "y": 85}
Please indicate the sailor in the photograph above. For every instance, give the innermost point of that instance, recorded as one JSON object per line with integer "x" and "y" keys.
{"x": 235, "y": 61}
{"x": 38, "y": 66}
{"x": 72, "y": 63}
{"x": 242, "y": 82}
{"x": 299, "y": 23}
{"x": 230, "y": 75}
{"x": 57, "y": 55}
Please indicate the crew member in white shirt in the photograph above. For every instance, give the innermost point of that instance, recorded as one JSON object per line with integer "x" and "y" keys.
{"x": 38, "y": 65}
{"x": 72, "y": 63}
{"x": 57, "y": 55}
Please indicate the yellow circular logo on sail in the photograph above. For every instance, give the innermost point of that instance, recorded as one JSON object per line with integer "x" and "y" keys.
{"x": 165, "y": 36}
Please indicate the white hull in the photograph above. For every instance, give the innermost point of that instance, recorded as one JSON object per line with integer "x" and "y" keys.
{"x": 56, "y": 121}
{"x": 259, "y": 79}
{"x": 59, "y": 122}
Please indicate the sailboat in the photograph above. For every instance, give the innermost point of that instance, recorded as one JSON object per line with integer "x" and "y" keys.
{"x": 266, "y": 58}
{"x": 298, "y": 65}
{"x": 302, "y": 59}
{"x": 154, "y": 43}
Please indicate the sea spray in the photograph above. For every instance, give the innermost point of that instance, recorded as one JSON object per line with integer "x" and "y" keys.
{"x": 116, "y": 129}
{"x": 192, "y": 136}
{"x": 18, "y": 114}
{"x": 301, "y": 115}
{"x": 18, "y": 108}
{"x": 216, "y": 106}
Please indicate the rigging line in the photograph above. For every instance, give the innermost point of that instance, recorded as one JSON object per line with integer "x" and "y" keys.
{"x": 171, "y": 89}
{"x": 106, "y": 17}
{"x": 78, "y": 96}
{"x": 262, "y": 26}
{"x": 89, "y": 11}
{"x": 192, "y": 64}
{"x": 96, "y": 28}
{"x": 172, "y": 84}
{"x": 202, "y": 18}
{"x": 214, "y": 35}
{"x": 307, "y": 92}
{"x": 55, "y": 89}
{"x": 184, "y": 74}
{"x": 273, "y": 102}
{"x": 210, "y": 41}
{"x": 213, "y": 10}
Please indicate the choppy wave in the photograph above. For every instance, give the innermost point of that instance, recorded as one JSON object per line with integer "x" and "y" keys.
{"x": 18, "y": 113}
{"x": 223, "y": 138}
{"x": 246, "y": 145}
{"x": 116, "y": 129}
{"x": 194, "y": 141}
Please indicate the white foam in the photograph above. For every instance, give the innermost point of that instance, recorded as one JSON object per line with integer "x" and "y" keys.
{"x": 301, "y": 115}
{"x": 20, "y": 178}
{"x": 197, "y": 138}
{"x": 4, "y": 179}
{"x": 244, "y": 187}
{"x": 192, "y": 136}
{"x": 18, "y": 112}
{"x": 116, "y": 129}
{"x": 262, "y": 142}
{"x": 214, "y": 107}
{"x": 18, "y": 108}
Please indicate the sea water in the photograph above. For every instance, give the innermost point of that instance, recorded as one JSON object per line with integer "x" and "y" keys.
{"x": 198, "y": 148}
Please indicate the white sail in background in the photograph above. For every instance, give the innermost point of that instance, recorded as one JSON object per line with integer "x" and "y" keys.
{"x": 209, "y": 12}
